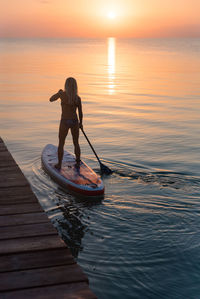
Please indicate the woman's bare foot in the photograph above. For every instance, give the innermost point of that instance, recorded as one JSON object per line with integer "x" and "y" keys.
{"x": 58, "y": 166}
{"x": 77, "y": 165}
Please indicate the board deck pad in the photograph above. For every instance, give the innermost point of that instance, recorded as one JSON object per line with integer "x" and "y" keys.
{"x": 79, "y": 179}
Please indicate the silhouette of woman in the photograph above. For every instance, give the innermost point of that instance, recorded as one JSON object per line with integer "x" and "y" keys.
{"x": 70, "y": 101}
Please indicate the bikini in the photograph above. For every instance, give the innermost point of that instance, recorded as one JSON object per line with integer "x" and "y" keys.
{"x": 69, "y": 123}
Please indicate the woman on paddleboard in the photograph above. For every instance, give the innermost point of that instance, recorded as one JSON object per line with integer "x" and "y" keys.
{"x": 70, "y": 102}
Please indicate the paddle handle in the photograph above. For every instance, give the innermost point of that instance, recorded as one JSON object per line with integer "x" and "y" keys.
{"x": 91, "y": 146}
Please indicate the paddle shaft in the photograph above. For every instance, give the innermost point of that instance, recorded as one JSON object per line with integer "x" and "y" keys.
{"x": 91, "y": 146}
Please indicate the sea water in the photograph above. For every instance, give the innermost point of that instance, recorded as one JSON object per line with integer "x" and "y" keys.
{"x": 141, "y": 105}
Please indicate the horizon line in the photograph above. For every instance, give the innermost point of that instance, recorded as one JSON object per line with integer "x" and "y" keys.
{"x": 97, "y": 37}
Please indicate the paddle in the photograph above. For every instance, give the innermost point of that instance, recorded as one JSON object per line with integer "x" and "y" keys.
{"x": 104, "y": 168}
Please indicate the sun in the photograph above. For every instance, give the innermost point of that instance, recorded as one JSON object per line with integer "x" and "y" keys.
{"x": 111, "y": 15}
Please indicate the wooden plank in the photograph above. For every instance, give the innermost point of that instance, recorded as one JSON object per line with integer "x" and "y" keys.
{"x": 3, "y": 148}
{"x": 13, "y": 182}
{"x": 78, "y": 290}
{"x": 35, "y": 259}
{"x": 28, "y": 230}
{"x": 7, "y": 170}
{"x": 41, "y": 277}
{"x": 14, "y": 179}
{"x": 18, "y": 190}
{"x": 20, "y": 219}
{"x": 14, "y": 209}
{"x": 30, "y": 244}
{"x": 5, "y": 156}
{"x": 22, "y": 194}
{"x": 4, "y": 162}
{"x": 2, "y": 143}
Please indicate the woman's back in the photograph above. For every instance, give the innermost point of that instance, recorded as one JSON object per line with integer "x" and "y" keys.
{"x": 69, "y": 110}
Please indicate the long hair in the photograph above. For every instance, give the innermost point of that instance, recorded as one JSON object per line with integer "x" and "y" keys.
{"x": 71, "y": 90}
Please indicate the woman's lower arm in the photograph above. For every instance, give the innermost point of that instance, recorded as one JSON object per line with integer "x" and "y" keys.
{"x": 54, "y": 97}
{"x": 80, "y": 119}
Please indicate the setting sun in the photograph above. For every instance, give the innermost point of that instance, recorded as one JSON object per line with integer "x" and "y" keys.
{"x": 111, "y": 15}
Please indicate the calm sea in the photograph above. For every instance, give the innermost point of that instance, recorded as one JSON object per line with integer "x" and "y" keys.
{"x": 141, "y": 104}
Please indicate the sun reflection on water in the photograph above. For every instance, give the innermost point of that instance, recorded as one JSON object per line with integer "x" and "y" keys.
{"x": 111, "y": 65}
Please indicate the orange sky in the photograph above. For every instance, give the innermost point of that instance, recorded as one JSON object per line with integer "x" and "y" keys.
{"x": 89, "y": 18}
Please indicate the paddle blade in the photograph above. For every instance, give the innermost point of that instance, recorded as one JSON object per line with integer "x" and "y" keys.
{"x": 105, "y": 169}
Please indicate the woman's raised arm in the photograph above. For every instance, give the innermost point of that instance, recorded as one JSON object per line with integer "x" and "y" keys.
{"x": 56, "y": 96}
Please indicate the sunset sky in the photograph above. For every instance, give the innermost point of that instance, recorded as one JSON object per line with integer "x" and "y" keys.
{"x": 99, "y": 18}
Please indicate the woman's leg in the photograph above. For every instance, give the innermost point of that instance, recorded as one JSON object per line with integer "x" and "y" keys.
{"x": 75, "y": 137}
{"x": 63, "y": 131}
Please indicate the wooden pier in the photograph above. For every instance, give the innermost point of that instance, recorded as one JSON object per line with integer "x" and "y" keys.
{"x": 34, "y": 261}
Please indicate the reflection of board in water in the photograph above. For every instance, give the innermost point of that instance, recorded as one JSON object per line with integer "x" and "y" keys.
{"x": 82, "y": 180}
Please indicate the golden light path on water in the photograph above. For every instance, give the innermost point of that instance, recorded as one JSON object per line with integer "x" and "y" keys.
{"x": 111, "y": 64}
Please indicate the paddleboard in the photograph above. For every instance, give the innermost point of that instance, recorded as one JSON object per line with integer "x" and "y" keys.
{"x": 82, "y": 180}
